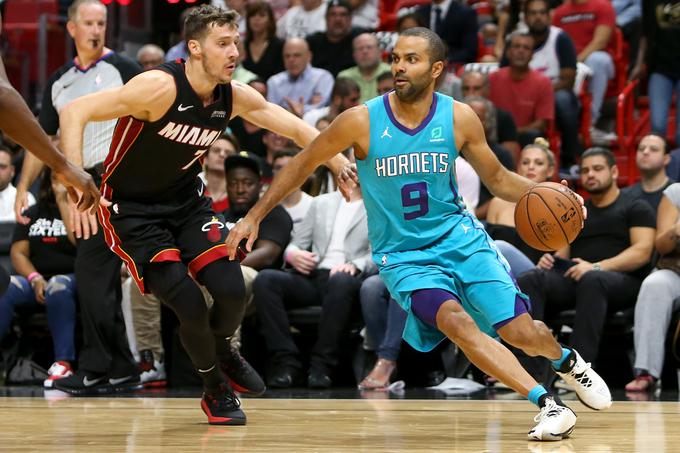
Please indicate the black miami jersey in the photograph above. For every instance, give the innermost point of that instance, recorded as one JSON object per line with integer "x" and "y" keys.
{"x": 160, "y": 160}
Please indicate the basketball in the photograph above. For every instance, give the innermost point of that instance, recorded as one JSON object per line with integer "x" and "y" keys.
{"x": 548, "y": 217}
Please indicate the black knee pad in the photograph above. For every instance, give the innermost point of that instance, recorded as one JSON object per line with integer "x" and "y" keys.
{"x": 224, "y": 281}
{"x": 170, "y": 282}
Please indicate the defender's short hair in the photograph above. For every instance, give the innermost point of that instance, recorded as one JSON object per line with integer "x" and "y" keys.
{"x": 199, "y": 21}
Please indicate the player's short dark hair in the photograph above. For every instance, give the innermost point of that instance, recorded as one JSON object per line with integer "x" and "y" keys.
{"x": 73, "y": 9}
{"x": 435, "y": 45}
{"x": 199, "y": 21}
{"x": 600, "y": 151}
{"x": 661, "y": 137}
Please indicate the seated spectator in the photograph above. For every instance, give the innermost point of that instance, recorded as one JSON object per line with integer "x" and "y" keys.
{"x": 149, "y": 56}
{"x": 658, "y": 298}
{"x": 369, "y": 66}
{"x": 250, "y": 135}
{"x": 302, "y": 20}
{"x": 345, "y": 95}
{"x": 475, "y": 83}
{"x": 601, "y": 271}
{"x": 651, "y": 159}
{"x": 328, "y": 254}
{"x": 332, "y": 49}
{"x": 658, "y": 57}
{"x": 301, "y": 87}
{"x": 43, "y": 255}
{"x": 456, "y": 24}
{"x": 524, "y": 92}
{"x": 537, "y": 163}
{"x": 213, "y": 170}
{"x": 555, "y": 57}
{"x": 264, "y": 51}
{"x": 8, "y": 192}
{"x": 590, "y": 23}
{"x": 297, "y": 204}
{"x": 385, "y": 321}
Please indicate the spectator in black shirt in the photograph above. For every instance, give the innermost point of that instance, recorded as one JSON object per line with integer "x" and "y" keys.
{"x": 608, "y": 260}
{"x": 43, "y": 255}
{"x": 651, "y": 159}
{"x": 332, "y": 49}
{"x": 264, "y": 51}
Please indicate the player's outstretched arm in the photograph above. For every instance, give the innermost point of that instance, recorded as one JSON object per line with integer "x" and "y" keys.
{"x": 250, "y": 105}
{"x": 17, "y": 121}
{"x": 471, "y": 140}
{"x": 343, "y": 132}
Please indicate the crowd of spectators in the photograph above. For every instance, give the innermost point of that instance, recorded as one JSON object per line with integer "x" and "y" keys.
{"x": 524, "y": 66}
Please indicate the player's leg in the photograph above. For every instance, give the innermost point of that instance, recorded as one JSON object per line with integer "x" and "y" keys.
{"x": 224, "y": 281}
{"x": 442, "y": 310}
{"x": 170, "y": 282}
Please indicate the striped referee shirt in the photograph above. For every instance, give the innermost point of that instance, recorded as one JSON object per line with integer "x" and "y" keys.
{"x": 70, "y": 82}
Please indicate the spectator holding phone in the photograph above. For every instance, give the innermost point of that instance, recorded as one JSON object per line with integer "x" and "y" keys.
{"x": 602, "y": 269}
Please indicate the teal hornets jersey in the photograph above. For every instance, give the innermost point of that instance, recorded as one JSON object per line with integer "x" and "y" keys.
{"x": 408, "y": 178}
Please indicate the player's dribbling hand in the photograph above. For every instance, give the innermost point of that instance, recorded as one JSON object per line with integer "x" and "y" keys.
{"x": 348, "y": 179}
{"x": 244, "y": 229}
{"x": 580, "y": 200}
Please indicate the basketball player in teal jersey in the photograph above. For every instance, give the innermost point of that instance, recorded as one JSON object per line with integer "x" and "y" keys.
{"x": 434, "y": 256}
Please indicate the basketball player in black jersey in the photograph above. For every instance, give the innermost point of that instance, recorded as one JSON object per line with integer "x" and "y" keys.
{"x": 159, "y": 222}
{"x": 18, "y": 123}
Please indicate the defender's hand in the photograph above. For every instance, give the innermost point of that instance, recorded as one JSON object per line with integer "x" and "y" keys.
{"x": 584, "y": 210}
{"x": 348, "y": 179}
{"x": 81, "y": 188}
{"x": 245, "y": 228}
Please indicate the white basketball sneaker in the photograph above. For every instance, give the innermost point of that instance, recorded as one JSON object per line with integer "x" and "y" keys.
{"x": 589, "y": 386}
{"x": 555, "y": 421}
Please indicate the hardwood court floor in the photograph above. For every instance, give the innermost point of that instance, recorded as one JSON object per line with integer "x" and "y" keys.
{"x": 322, "y": 425}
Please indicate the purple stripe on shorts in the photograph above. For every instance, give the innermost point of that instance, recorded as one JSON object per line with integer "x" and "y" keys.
{"x": 425, "y": 303}
{"x": 521, "y": 306}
